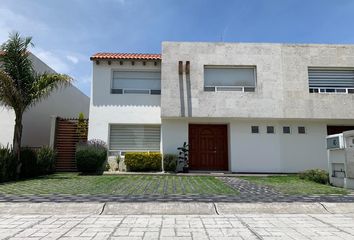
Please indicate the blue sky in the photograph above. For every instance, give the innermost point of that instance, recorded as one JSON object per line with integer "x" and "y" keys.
{"x": 67, "y": 32}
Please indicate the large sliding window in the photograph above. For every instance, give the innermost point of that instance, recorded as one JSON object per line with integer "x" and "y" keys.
{"x": 229, "y": 78}
{"x": 136, "y": 82}
{"x": 331, "y": 80}
{"x": 134, "y": 137}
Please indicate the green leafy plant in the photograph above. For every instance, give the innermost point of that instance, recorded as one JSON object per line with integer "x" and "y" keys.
{"x": 82, "y": 127}
{"x": 183, "y": 158}
{"x": 170, "y": 162}
{"x": 7, "y": 164}
{"x": 315, "y": 175}
{"x": 29, "y": 166}
{"x": 46, "y": 160}
{"x": 91, "y": 156}
{"x": 21, "y": 86}
{"x": 143, "y": 161}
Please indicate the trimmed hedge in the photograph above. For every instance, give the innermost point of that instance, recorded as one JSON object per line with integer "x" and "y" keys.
{"x": 170, "y": 162}
{"x": 143, "y": 161}
{"x": 315, "y": 175}
{"x": 91, "y": 156}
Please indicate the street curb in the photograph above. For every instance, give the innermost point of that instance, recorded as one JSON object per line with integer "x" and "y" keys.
{"x": 174, "y": 208}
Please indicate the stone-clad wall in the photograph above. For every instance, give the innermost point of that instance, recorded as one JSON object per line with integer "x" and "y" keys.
{"x": 282, "y": 81}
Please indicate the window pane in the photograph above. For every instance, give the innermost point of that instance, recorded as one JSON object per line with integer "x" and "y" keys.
{"x": 134, "y": 138}
{"x": 286, "y": 130}
{"x": 209, "y": 89}
{"x": 255, "y": 129}
{"x": 301, "y": 130}
{"x": 270, "y": 129}
{"x": 229, "y": 76}
{"x": 117, "y": 91}
{"x": 136, "y": 80}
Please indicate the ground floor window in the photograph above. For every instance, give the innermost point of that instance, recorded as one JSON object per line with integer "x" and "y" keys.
{"x": 134, "y": 138}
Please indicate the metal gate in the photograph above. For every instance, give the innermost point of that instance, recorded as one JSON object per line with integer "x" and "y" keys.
{"x": 68, "y": 133}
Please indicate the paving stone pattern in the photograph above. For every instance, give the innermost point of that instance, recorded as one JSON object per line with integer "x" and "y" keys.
{"x": 144, "y": 227}
{"x": 249, "y": 193}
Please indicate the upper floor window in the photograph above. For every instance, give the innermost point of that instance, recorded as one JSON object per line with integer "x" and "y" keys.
{"x": 331, "y": 80}
{"x": 136, "y": 82}
{"x": 229, "y": 78}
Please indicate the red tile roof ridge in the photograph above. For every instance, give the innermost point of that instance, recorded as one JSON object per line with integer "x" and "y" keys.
{"x": 110, "y": 55}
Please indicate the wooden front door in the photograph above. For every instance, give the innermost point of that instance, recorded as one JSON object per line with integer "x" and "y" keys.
{"x": 208, "y": 147}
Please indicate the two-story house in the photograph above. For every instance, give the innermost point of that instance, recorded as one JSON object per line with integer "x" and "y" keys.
{"x": 242, "y": 107}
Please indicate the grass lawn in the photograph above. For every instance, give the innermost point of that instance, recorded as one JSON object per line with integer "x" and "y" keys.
{"x": 72, "y": 183}
{"x": 293, "y": 185}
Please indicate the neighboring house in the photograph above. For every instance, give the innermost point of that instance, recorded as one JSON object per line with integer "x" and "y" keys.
{"x": 65, "y": 102}
{"x": 242, "y": 107}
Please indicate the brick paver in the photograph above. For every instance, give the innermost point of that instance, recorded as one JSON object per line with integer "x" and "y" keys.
{"x": 247, "y": 192}
{"x": 243, "y": 226}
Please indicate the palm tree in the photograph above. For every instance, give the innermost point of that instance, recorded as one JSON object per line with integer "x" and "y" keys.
{"x": 21, "y": 86}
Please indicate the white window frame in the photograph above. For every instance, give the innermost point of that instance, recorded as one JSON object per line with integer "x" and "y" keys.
{"x": 126, "y": 90}
{"x": 231, "y": 88}
{"x": 121, "y": 152}
{"x": 329, "y": 90}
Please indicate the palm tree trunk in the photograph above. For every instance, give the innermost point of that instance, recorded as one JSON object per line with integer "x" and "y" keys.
{"x": 17, "y": 142}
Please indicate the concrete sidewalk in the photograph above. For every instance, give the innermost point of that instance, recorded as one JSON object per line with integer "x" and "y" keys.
{"x": 175, "y": 208}
{"x": 178, "y": 227}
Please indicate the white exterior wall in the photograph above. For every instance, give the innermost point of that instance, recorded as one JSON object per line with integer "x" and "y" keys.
{"x": 7, "y": 124}
{"x": 107, "y": 108}
{"x": 259, "y": 152}
{"x": 66, "y": 103}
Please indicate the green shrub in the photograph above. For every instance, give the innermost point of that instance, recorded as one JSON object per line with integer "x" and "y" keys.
{"x": 7, "y": 164}
{"x": 91, "y": 156}
{"x": 29, "y": 166}
{"x": 315, "y": 175}
{"x": 170, "y": 162}
{"x": 46, "y": 160}
{"x": 143, "y": 161}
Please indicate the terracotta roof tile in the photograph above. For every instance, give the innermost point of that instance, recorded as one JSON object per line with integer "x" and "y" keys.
{"x": 142, "y": 56}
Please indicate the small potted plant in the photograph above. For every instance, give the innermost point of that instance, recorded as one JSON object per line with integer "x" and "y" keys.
{"x": 183, "y": 158}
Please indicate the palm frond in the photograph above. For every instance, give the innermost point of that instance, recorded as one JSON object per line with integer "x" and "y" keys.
{"x": 45, "y": 84}
{"x": 9, "y": 95}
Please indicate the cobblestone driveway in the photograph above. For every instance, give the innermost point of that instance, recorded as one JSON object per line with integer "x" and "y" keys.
{"x": 249, "y": 193}
{"x": 248, "y": 226}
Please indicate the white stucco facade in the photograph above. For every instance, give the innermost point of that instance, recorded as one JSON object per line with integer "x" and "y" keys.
{"x": 7, "y": 124}
{"x": 65, "y": 102}
{"x": 107, "y": 108}
{"x": 261, "y": 152}
{"x": 281, "y": 99}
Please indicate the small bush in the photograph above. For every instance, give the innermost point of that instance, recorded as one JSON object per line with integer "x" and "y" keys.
{"x": 46, "y": 160}
{"x": 29, "y": 166}
{"x": 315, "y": 175}
{"x": 143, "y": 161}
{"x": 170, "y": 162}
{"x": 7, "y": 164}
{"x": 91, "y": 156}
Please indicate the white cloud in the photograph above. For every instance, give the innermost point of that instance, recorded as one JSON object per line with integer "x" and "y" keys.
{"x": 52, "y": 60}
{"x": 72, "y": 59}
